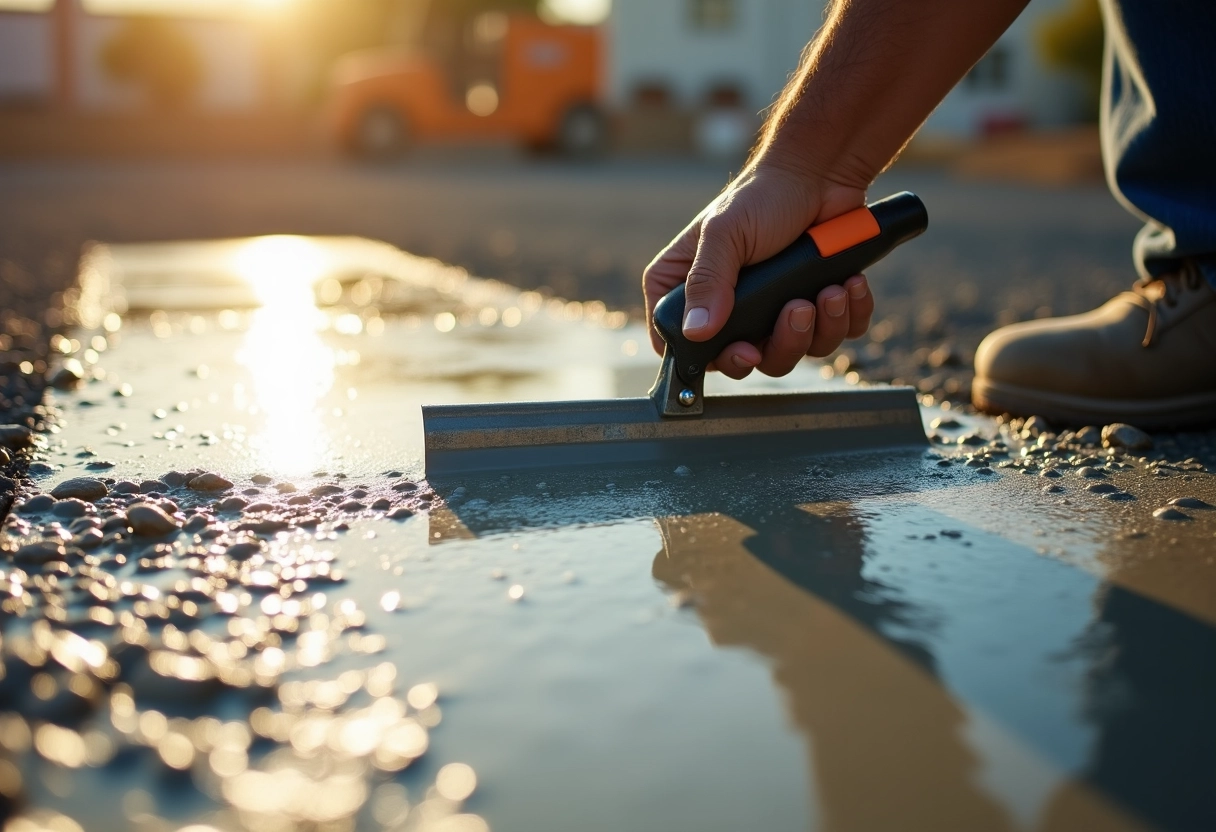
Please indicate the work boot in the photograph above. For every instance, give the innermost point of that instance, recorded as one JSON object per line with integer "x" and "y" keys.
{"x": 1147, "y": 357}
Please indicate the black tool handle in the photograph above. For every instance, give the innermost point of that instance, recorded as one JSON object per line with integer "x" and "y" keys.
{"x": 798, "y": 271}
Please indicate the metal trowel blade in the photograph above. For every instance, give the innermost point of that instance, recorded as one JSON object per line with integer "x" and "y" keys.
{"x": 487, "y": 438}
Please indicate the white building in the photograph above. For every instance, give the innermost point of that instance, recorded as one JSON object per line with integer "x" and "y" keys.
{"x": 690, "y": 48}
{"x": 39, "y": 42}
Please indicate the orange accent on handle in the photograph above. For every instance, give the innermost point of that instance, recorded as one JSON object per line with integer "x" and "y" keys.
{"x": 845, "y": 231}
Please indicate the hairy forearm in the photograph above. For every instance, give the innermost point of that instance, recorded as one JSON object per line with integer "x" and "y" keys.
{"x": 871, "y": 77}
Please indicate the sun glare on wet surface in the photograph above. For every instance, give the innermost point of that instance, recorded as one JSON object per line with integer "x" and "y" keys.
{"x": 291, "y": 367}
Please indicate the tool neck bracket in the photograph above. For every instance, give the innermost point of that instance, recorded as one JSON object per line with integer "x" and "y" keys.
{"x": 673, "y": 397}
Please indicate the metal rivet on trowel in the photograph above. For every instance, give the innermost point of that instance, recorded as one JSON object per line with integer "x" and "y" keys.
{"x": 687, "y": 397}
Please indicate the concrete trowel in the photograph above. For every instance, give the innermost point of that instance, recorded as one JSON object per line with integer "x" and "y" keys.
{"x": 676, "y": 424}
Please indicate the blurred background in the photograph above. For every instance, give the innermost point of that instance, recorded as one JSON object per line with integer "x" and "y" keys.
{"x": 552, "y": 144}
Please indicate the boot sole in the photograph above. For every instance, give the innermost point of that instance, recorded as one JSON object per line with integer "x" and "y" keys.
{"x": 1194, "y": 411}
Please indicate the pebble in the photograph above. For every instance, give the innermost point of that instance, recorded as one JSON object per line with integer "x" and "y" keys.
{"x": 945, "y": 422}
{"x": 88, "y": 539}
{"x": 325, "y": 490}
{"x": 1189, "y": 502}
{"x": 40, "y": 552}
{"x": 1118, "y": 496}
{"x": 244, "y": 549}
{"x": 195, "y": 524}
{"x": 153, "y": 486}
{"x": 37, "y": 504}
{"x": 382, "y": 504}
{"x": 6, "y": 457}
{"x": 37, "y": 469}
{"x": 81, "y": 523}
{"x": 70, "y": 507}
{"x": 1119, "y": 435}
{"x": 261, "y": 479}
{"x": 84, "y": 488}
{"x": 1088, "y": 473}
{"x": 1088, "y": 435}
{"x": 1052, "y": 489}
{"x": 299, "y": 500}
{"x": 175, "y": 479}
{"x": 16, "y": 437}
{"x": 399, "y": 513}
{"x": 1168, "y": 513}
{"x": 233, "y": 503}
{"x": 1035, "y": 425}
{"x": 352, "y": 505}
{"x": 101, "y": 465}
{"x": 125, "y": 487}
{"x": 405, "y": 485}
{"x": 259, "y": 506}
{"x": 683, "y": 471}
{"x": 285, "y": 488}
{"x": 1050, "y": 473}
{"x": 207, "y": 482}
{"x": 1102, "y": 488}
{"x": 148, "y": 520}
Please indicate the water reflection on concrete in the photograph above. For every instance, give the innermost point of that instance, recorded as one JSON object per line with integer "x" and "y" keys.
{"x": 866, "y": 642}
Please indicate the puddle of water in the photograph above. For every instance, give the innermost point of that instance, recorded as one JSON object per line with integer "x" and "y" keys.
{"x": 864, "y": 642}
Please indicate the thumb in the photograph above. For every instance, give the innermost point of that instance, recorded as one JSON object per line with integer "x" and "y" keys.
{"x": 709, "y": 291}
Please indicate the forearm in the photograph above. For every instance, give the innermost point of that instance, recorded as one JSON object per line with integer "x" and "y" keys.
{"x": 871, "y": 77}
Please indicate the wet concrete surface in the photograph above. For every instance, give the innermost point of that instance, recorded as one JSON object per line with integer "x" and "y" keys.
{"x": 1002, "y": 632}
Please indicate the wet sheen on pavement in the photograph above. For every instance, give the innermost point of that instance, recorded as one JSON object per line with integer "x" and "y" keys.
{"x": 973, "y": 637}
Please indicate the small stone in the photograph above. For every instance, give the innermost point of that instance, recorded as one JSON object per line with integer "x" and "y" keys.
{"x": 37, "y": 504}
{"x": 325, "y": 490}
{"x": 1035, "y": 425}
{"x": 6, "y": 457}
{"x": 382, "y": 504}
{"x": 404, "y": 486}
{"x": 261, "y": 479}
{"x": 1089, "y": 473}
{"x": 945, "y": 423}
{"x": 1052, "y": 489}
{"x": 147, "y": 520}
{"x": 244, "y": 549}
{"x": 1189, "y": 502}
{"x": 1119, "y": 435}
{"x": 125, "y": 487}
{"x": 175, "y": 479}
{"x": 67, "y": 377}
{"x": 285, "y": 488}
{"x": 352, "y": 505}
{"x": 1168, "y": 513}
{"x": 83, "y": 488}
{"x": 1088, "y": 435}
{"x": 209, "y": 482}
{"x": 683, "y": 471}
{"x": 37, "y": 469}
{"x": 986, "y": 471}
{"x": 1102, "y": 488}
{"x": 88, "y": 539}
{"x": 1050, "y": 473}
{"x": 1118, "y": 496}
{"x": 101, "y": 464}
{"x": 299, "y": 500}
{"x": 233, "y": 503}
{"x": 399, "y": 513}
{"x": 70, "y": 508}
{"x": 972, "y": 439}
{"x": 16, "y": 437}
{"x": 196, "y": 523}
{"x": 40, "y": 552}
{"x": 81, "y": 523}
{"x": 153, "y": 486}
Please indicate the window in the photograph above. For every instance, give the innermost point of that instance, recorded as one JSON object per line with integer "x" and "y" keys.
{"x": 712, "y": 15}
{"x": 991, "y": 72}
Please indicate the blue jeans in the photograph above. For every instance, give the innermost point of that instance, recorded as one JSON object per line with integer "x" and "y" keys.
{"x": 1159, "y": 127}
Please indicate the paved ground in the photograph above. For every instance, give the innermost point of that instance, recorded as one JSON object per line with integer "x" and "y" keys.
{"x": 255, "y": 614}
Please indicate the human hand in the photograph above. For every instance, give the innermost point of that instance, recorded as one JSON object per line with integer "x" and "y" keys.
{"x": 758, "y": 215}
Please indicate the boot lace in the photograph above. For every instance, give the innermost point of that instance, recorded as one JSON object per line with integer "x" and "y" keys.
{"x": 1165, "y": 289}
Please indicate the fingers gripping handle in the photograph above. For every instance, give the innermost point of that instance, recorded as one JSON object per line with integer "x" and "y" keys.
{"x": 827, "y": 255}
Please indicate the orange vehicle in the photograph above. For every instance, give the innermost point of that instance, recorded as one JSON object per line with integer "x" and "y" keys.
{"x": 492, "y": 76}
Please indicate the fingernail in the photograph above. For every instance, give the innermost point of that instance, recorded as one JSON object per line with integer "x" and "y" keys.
{"x": 802, "y": 317}
{"x": 836, "y": 304}
{"x": 741, "y": 362}
{"x": 858, "y": 289}
{"x": 695, "y": 318}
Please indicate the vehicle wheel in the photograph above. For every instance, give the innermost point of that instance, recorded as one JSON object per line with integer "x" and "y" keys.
{"x": 380, "y": 134}
{"x": 583, "y": 132}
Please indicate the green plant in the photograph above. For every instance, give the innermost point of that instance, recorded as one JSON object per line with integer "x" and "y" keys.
{"x": 153, "y": 53}
{"x": 1072, "y": 40}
